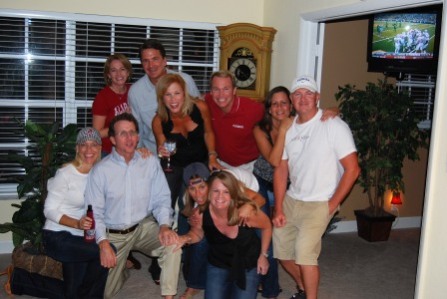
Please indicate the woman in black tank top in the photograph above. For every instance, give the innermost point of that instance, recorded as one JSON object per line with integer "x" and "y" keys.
{"x": 236, "y": 255}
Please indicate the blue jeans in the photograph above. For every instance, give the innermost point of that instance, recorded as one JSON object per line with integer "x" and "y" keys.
{"x": 269, "y": 281}
{"x": 84, "y": 277}
{"x": 219, "y": 286}
{"x": 195, "y": 263}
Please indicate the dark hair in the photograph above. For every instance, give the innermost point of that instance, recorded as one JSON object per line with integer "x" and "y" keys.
{"x": 155, "y": 44}
{"x": 126, "y": 63}
{"x": 125, "y": 116}
{"x": 265, "y": 124}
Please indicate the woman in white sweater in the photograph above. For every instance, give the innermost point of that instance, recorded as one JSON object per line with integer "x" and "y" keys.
{"x": 84, "y": 277}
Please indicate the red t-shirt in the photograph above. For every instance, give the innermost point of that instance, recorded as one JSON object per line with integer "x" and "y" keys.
{"x": 109, "y": 104}
{"x": 235, "y": 142}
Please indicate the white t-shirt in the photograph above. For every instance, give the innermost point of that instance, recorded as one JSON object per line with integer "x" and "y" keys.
{"x": 65, "y": 196}
{"x": 246, "y": 177}
{"x": 314, "y": 150}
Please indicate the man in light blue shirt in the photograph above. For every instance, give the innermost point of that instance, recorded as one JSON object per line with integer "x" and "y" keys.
{"x": 132, "y": 208}
{"x": 142, "y": 94}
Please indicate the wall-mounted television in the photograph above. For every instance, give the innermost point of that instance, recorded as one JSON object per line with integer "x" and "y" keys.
{"x": 405, "y": 41}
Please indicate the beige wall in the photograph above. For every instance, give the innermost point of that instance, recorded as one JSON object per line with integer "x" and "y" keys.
{"x": 285, "y": 45}
{"x": 284, "y": 15}
{"x": 225, "y": 12}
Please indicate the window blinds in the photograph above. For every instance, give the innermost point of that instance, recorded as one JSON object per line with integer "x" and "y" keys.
{"x": 421, "y": 89}
{"x": 51, "y": 67}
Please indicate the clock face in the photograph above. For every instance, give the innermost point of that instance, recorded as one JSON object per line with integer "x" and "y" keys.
{"x": 244, "y": 69}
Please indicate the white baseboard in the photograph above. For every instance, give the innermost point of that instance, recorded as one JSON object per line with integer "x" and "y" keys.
{"x": 6, "y": 247}
{"x": 342, "y": 227}
{"x": 399, "y": 223}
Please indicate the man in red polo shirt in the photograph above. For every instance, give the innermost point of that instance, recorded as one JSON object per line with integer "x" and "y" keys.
{"x": 233, "y": 119}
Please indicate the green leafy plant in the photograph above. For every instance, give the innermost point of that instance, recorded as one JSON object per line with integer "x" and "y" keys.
{"x": 49, "y": 147}
{"x": 386, "y": 132}
{"x": 332, "y": 224}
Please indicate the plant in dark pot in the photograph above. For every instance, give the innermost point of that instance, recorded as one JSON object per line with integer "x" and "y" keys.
{"x": 386, "y": 132}
{"x": 49, "y": 147}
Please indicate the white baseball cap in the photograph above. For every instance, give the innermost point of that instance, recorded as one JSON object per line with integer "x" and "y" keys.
{"x": 306, "y": 82}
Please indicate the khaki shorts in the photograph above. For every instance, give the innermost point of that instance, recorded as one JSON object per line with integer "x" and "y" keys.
{"x": 300, "y": 238}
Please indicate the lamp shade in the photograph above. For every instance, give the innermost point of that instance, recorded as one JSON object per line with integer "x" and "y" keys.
{"x": 395, "y": 200}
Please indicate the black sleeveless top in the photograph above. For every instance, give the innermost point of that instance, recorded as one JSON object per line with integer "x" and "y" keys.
{"x": 236, "y": 255}
{"x": 193, "y": 147}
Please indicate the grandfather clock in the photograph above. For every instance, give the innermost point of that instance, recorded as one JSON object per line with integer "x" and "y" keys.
{"x": 245, "y": 51}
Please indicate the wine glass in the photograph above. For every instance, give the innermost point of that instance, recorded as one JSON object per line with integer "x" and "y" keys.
{"x": 171, "y": 147}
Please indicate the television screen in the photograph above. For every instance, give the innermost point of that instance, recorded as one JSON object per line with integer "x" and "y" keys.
{"x": 404, "y": 41}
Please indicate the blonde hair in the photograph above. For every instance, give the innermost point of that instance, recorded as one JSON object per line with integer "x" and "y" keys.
{"x": 189, "y": 201}
{"x": 163, "y": 85}
{"x": 237, "y": 195}
{"x": 223, "y": 74}
{"x": 77, "y": 161}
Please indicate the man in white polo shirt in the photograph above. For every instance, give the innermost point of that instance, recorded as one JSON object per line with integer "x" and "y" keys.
{"x": 320, "y": 159}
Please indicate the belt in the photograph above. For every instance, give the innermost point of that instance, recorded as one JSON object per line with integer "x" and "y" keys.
{"x": 122, "y": 231}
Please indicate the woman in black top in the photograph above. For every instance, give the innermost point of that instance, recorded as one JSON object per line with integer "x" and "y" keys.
{"x": 187, "y": 121}
{"x": 236, "y": 255}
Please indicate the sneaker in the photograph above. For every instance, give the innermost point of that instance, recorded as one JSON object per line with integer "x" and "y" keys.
{"x": 299, "y": 295}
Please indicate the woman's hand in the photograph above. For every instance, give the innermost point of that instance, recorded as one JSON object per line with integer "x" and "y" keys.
{"x": 245, "y": 212}
{"x": 195, "y": 219}
{"x": 162, "y": 152}
{"x": 213, "y": 164}
{"x": 144, "y": 152}
{"x": 85, "y": 223}
{"x": 285, "y": 124}
{"x": 182, "y": 241}
{"x": 263, "y": 265}
{"x": 330, "y": 113}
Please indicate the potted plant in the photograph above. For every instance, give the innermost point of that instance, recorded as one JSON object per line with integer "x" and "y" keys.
{"x": 49, "y": 147}
{"x": 386, "y": 132}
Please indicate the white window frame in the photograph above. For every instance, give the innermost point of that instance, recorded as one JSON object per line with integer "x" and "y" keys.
{"x": 427, "y": 82}
{"x": 70, "y": 104}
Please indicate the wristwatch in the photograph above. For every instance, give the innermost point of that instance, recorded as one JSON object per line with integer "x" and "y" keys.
{"x": 265, "y": 254}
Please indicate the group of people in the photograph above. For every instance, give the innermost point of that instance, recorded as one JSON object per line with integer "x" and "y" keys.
{"x": 242, "y": 172}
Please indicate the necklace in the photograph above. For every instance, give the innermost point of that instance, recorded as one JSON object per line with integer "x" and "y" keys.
{"x": 119, "y": 91}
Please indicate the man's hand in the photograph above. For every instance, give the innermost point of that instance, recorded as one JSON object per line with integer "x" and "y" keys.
{"x": 167, "y": 236}
{"x": 333, "y": 207}
{"x": 279, "y": 219}
{"x": 107, "y": 254}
